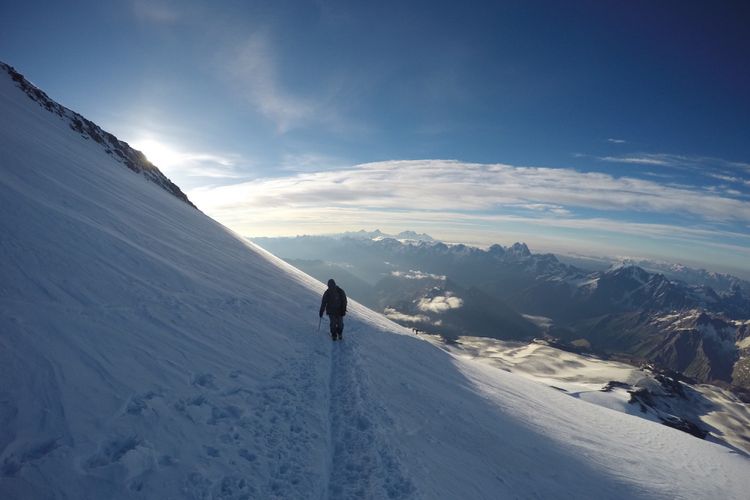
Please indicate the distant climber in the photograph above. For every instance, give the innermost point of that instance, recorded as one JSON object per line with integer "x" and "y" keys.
{"x": 334, "y": 304}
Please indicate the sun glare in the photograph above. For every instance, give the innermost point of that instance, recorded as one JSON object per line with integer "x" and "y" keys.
{"x": 158, "y": 154}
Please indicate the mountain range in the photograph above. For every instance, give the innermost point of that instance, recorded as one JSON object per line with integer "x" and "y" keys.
{"x": 624, "y": 311}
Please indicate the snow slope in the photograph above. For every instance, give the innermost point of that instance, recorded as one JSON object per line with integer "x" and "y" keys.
{"x": 148, "y": 352}
{"x": 723, "y": 415}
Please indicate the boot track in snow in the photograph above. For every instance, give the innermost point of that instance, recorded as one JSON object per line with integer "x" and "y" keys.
{"x": 362, "y": 464}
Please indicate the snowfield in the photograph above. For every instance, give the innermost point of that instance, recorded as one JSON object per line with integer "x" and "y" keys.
{"x": 148, "y": 352}
{"x": 722, "y": 414}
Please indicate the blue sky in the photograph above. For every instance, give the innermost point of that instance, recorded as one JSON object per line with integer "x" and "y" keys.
{"x": 617, "y": 128}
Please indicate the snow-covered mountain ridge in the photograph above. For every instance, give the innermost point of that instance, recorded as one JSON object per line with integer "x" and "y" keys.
{"x": 614, "y": 311}
{"x": 627, "y": 286}
{"x": 721, "y": 282}
{"x": 120, "y": 150}
{"x": 148, "y": 352}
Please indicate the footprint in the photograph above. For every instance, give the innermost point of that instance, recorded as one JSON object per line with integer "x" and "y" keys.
{"x": 206, "y": 380}
{"x": 112, "y": 451}
{"x": 139, "y": 402}
{"x": 232, "y": 487}
{"x": 363, "y": 423}
{"x": 12, "y": 464}
{"x": 247, "y": 455}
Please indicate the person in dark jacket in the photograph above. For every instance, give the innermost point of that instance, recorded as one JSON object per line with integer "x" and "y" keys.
{"x": 334, "y": 304}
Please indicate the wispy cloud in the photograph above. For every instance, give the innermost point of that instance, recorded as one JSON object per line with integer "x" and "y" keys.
{"x": 456, "y": 186}
{"x": 309, "y": 162}
{"x": 206, "y": 165}
{"x": 253, "y": 70}
{"x": 676, "y": 161}
{"x": 157, "y": 11}
{"x": 546, "y": 207}
{"x": 173, "y": 161}
{"x": 639, "y": 159}
{"x": 249, "y": 64}
{"x": 417, "y": 275}
{"x": 730, "y": 179}
{"x": 616, "y": 141}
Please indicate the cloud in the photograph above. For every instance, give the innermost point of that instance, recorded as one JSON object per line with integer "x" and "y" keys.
{"x": 440, "y": 304}
{"x": 252, "y": 68}
{"x": 677, "y": 161}
{"x": 418, "y": 275}
{"x": 640, "y": 160}
{"x": 730, "y": 179}
{"x": 156, "y": 11}
{"x": 207, "y": 165}
{"x": 451, "y": 186}
{"x": 395, "y": 315}
{"x": 616, "y": 141}
{"x": 545, "y": 207}
{"x": 301, "y": 162}
{"x": 172, "y": 160}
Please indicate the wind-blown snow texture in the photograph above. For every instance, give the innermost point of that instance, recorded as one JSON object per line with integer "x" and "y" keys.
{"x": 148, "y": 352}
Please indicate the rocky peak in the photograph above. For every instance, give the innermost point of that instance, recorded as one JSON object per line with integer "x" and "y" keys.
{"x": 519, "y": 249}
{"x": 496, "y": 250}
{"x": 630, "y": 272}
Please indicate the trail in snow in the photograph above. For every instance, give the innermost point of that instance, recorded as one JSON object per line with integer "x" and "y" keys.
{"x": 363, "y": 465}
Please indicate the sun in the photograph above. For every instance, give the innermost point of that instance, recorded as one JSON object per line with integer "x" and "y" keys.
{"x": 157, "y": 153}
